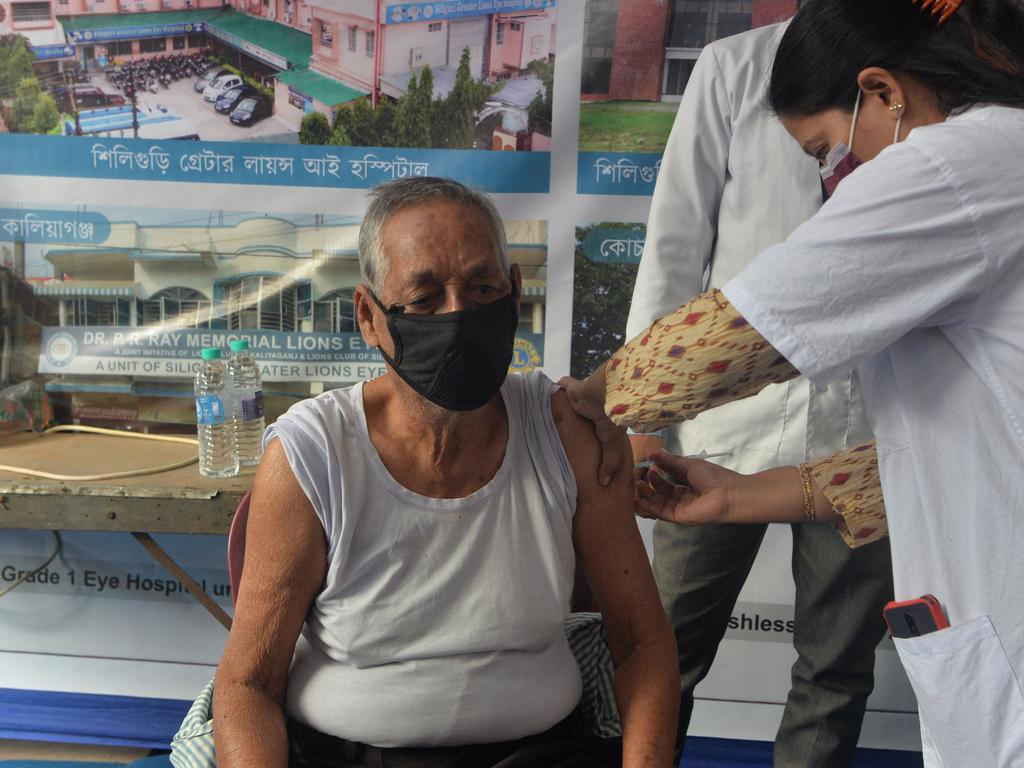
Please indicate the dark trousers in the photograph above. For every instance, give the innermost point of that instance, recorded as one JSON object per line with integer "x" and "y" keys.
{"x": 555, "y": 748}
{"x": 840, "y": 593}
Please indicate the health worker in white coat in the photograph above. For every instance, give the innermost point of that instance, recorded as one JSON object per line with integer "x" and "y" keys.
{"x": 733, "y": 183}
{"x": 912, "y": 274}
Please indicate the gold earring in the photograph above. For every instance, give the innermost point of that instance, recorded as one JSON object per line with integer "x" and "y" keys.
{"x": 896, "y": 106}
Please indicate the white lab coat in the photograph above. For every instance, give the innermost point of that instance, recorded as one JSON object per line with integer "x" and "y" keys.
{"x": 914, "y": 273}
{"x": 733, "y": 183}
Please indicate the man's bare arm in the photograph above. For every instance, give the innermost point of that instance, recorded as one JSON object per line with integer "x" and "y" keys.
{"x": 614, "y": 559}
{"x": 285, "y": 566}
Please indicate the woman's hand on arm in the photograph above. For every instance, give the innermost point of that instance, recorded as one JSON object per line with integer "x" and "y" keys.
{"x": 614, "y": 560}
{"x": 285, "y": 566}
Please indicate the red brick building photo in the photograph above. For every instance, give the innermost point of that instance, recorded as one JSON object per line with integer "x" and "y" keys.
{"x": 644, "y": 50}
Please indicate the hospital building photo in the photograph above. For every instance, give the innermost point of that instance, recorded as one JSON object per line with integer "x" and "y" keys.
{"x": 303, "y": 56}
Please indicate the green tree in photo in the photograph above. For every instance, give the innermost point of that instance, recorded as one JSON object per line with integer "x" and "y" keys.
{"x": 386, "y": 123}
{"x": 455, "y": 125}
{"x": 362, "y": 125}
{"x": 602, "y": 292}
{"x": 339, "y": 132}
{"x": 32, "y": 109}
{"x": 413, "y": 117}
{"x": 45, "y": 116}
{"x": 315, "y": 129}
{"x": 15, "y": 63}
{"x": 26, "y": 96}
{"x": 540, "y": 109}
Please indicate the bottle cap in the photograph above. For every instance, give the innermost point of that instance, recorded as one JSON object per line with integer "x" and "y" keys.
{"x": 211, "y": 353}
{"x": 239, "y": 345}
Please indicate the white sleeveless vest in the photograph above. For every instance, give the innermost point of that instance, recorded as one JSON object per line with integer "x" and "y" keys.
{"x": 441, "y": 621}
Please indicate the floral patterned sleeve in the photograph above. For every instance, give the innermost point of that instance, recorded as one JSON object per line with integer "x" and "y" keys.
{"x": 850, "y": 481}
{"x": 702, "y": 355}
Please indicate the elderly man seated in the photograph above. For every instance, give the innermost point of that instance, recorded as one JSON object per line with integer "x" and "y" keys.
{"x": 421, "y": 532}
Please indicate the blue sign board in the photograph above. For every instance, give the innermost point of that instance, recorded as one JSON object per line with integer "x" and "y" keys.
{"x": 173, "y": 352}
{"x": 48, "y": 52}
{"x": 135, "y": 32}
{"x": 285, "y": 165}
{"x": 617, "y": 173}
{"x": 32, "y": 225}
{"x": 442, "y": 10}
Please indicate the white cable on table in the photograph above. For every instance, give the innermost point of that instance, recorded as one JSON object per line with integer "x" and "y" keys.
{"x": 110, "y": 475}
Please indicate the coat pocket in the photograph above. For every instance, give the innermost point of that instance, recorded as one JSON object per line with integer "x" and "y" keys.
{"x": 967, "y": 694}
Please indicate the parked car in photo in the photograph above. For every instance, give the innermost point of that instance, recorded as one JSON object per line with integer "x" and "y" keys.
{"x": 230, "y": 99}
{"x": 220, "y": 86}
{"x": 208, "y": 77}
{"x": 252, "y": 109}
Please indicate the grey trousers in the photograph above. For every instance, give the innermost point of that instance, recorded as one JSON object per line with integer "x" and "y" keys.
{"x": 840, "y": 593}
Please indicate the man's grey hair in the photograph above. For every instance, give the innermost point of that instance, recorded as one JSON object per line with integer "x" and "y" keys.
{"x": 391, "y": 197}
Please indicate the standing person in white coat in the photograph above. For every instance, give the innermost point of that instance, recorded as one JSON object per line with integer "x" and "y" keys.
{"x": 913, "y": 274}
{"x": 732, "y": 183}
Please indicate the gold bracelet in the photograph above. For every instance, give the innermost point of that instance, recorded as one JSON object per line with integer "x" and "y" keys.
{"x": 808, "y": 489}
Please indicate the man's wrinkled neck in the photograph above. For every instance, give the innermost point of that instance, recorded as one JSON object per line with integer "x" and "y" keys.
{"x": 441, "y": 434}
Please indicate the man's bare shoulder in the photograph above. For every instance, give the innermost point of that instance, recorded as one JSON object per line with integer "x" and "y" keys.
{"x": 578, "y": 438}
{"x": 275, "y": 485}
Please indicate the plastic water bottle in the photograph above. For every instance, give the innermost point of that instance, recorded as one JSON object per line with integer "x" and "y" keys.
{"x": 247, "y": 403}
{"x": 217, "y": 457}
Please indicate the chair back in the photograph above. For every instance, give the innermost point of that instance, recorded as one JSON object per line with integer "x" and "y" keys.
{"x": 236, "y": 545}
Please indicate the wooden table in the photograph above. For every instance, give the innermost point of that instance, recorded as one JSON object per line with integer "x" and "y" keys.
{"x": 176, "y": 501}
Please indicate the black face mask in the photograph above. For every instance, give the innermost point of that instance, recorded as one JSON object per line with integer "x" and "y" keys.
{"x": 456, "y": 360}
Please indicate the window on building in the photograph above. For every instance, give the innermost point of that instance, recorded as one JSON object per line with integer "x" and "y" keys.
{"x": 371, "y": 42}
{"x": 30, "y": 12}
{"x": 182, "y": 307}
{"x": 598, "y": 45}
{"x": 152, "y": 45}
{"x": 353, "y": 38}
{"x": 326, "y": 34}
{"x": 178, "y": 43}
{"x": 64, "y": 2}
{"x": 728, "y": 24}
{"x": 267, "y": 303}
{"x": 516, "y": 26}
{"x": 677, "y": 75}
{"x": 695, "y": 23}
{"x": 102, "y": 312}
{"x": 195, "y": 41}
{"x": 335, "y": 312}
{"x": 499, "y": 34}
{"x": 434, "y": 27}
{"x": 119, "y": 48}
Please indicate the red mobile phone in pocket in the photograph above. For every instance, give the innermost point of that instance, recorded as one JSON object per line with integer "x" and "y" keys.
{"x": 912, "y": 618}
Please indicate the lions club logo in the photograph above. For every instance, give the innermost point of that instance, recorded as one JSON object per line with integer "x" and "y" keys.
{"x": 525, "y": 357}
{"x": 61, "y": 349}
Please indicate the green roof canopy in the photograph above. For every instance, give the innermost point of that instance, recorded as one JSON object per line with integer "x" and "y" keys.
{"x": 121, "y": 20}
{"x": 320, "y": 87}
{"x": 293, "y": 46}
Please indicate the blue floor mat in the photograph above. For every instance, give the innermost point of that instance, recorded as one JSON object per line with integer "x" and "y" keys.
{"x": 700, "y": 753}
{"x": 704, "y": 752}
{"x": 160, "y": 761}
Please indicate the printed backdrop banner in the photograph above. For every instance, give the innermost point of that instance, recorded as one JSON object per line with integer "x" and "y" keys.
{"x": 128, "y": 249}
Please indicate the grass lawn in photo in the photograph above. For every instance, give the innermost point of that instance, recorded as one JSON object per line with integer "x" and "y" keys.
{"x": 625, "y": 126}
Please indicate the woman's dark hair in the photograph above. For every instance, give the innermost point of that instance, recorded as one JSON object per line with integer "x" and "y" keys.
{"x": 976, "y": 57}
